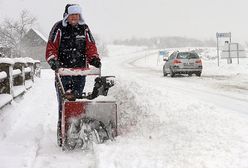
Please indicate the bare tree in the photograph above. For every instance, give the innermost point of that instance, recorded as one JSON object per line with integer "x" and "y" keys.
{"x": 12, "y": 31}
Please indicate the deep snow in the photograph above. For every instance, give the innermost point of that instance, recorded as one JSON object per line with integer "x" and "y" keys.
{"x": 164, "y": 122}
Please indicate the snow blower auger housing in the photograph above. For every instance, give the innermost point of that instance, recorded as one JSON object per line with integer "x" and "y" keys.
{"x": 87, "y": 119}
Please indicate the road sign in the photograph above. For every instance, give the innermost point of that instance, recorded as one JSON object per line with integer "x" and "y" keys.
{"x": 219, "y": 35}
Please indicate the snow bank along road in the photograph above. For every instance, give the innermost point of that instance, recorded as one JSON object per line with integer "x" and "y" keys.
{"x": 164, "y": 122}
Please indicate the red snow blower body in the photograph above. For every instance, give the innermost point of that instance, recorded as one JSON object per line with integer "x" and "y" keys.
{"x": 91, "y": 118}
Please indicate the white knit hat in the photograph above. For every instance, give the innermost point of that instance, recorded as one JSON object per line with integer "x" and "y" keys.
{"x": 74, "y": 9}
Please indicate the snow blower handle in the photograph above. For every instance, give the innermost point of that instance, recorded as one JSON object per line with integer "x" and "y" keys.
{"x": 79, "y": 71}
{"x": 65, "y": 95}
{"x": 59, "y": 83}
{"x": 73, "y": 72}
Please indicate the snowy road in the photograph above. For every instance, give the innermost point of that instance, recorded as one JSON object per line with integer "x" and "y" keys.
{"x": 165, "y": 122}
{"x": 197, "y": 88}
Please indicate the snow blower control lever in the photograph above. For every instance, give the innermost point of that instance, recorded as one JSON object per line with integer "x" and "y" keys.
{"x": 101, "y": 87}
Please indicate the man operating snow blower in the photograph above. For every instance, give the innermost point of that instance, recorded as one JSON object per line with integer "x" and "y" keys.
{"x": 71, "y": 45}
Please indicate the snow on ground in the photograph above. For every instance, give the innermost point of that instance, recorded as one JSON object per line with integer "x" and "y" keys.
{"x": 180, "y": 122}
{"x": 28, "y": 131}
{"x": 163, "y": 122}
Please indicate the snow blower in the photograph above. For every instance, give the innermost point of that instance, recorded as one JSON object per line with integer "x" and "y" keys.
{"x": 90, "y": 118}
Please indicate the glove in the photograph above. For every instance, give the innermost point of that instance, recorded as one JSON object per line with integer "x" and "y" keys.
{"x": 96, "y": 62}
{"x": 54, "y": 64}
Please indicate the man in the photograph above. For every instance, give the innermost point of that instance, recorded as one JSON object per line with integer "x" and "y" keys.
{"x": 71, "y": 45}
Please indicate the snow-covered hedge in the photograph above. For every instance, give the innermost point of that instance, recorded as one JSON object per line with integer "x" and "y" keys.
{"x": 16, "y": 77}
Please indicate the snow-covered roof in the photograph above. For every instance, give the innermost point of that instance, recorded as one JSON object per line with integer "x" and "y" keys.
{"x": 40, "y": 34}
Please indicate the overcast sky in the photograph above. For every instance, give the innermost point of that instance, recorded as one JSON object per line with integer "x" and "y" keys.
{"x": 113, "y": 19}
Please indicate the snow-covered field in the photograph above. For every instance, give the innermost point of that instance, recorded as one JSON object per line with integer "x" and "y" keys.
{"x": 164, "y": 122}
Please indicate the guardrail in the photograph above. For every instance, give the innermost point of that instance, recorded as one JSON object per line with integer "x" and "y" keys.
{"x": 17, "y": 75}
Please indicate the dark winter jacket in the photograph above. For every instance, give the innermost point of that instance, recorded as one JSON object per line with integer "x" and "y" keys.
{"x": 73, "y": 47}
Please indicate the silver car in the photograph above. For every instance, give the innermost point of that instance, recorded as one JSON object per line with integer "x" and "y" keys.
{"x": 183, "y": 63}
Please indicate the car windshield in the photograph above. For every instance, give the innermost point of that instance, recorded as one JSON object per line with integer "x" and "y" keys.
{"x": 187, "y": 55}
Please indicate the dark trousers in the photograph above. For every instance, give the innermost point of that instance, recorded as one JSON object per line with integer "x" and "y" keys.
{"x": 75, "y": 84}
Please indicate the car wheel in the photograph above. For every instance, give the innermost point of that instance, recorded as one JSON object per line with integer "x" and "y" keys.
{"x": 198, "y": 73}
{"x": 190, "y": 74}
{"x": 172, "y": 74}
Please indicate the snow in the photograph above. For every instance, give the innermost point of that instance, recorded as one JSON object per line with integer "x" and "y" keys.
{"x": 7, "y": 61}
{"x": 27, "y": 70}
{"x": 40, "y": 34}
{"x": 20, "y": 60}
{"x": 36, "y": 61}
{"x": 17, "y": 90}
{"x": 5, "y": 99}
{"x": 181, "y": 122}
{"x": 76, "y": 72}
{"x": 28, "y": 84}
{"x": 29, "y": 60}
{"x": 16, "y": 72}
{"x": 28, "y": 131}
{"x": 3, "y": 75}
{"x": 101, "y": 99}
